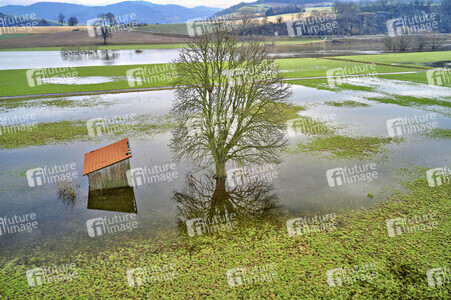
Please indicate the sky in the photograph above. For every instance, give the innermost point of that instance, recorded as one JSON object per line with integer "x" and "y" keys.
{"x": 187, "y": 3}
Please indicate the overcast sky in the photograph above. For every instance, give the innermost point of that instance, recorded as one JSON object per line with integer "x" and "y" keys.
{"x": 187, "y": 3}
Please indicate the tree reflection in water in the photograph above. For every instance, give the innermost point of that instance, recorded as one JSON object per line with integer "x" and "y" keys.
{"x": 205, "y": 197}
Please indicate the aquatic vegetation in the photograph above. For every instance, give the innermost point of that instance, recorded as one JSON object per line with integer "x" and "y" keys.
{"x": 345, "y": 147}
{"x": 307, "y": 126}
{"x": 41, "y": 134}
{"x": 442, "y": 133}
{"x": 347, "y": 103}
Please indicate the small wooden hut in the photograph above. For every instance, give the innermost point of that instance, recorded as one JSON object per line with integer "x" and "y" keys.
{"x": 106, "y": 167}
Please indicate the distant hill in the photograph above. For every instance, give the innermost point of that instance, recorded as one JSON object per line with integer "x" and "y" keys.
{"x": 8, "y": 20}
{"x": 145, "y": 12}
{"x": 261, "y": 6}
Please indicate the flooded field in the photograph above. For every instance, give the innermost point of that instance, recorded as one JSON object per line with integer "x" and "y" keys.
{"x": 49, "y": 59}
{"x": 296, "y": 186}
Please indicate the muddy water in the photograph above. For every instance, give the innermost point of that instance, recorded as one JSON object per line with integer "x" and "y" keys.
{"x": 300, "y": 181}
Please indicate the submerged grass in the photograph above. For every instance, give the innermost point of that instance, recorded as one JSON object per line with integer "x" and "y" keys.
{"x": 441, "y": 133}
{"x": 282, "y": 112}
{"x": 345, "y": 147}
{"x": 301, "y": 262}
{"x": 411, "y": 101}
{"x": 347, "y": 103}
{"x": 308, "y": 126}
{"x": 91, "y": 101}
{"x": 41, "y": 134}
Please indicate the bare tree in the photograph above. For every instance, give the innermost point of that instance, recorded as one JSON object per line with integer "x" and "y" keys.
{"x": 404, "y": 40}
{"x": 422, "y": 40}
{"x": 105, "y": 29}
{"x": 233, "y": 91}
{"x": 246, "y": 15}
{"x": 436, "y": 41}
{"x": 389, "y": 43}
{"x": 61, "y": 18}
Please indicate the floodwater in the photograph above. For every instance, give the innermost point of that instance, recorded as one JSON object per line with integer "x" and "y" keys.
{"x": 299, "y": 186}
{"x": 53, "y": 59}
{"x": 48, "y": 59}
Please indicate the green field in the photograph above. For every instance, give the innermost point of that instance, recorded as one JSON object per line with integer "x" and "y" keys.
{"x": 415, "y": 58}
{"x": 14, "y": 82}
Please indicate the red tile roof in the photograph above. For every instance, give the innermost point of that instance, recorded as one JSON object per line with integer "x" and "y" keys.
{"x": 106, "y": 156}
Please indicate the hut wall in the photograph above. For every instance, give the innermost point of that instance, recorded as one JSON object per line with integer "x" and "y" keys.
{"x": 110, "y": 177}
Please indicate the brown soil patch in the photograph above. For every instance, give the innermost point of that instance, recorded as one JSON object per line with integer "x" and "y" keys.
{"x": 81, "y": 38}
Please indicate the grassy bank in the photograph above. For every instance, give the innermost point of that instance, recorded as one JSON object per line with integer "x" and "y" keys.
{"x": 300, "y": 262}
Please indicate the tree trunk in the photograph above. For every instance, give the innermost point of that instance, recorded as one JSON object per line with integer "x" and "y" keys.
{"x": 220, "y": 170}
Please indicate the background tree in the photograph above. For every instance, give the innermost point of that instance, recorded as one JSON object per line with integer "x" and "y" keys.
{"x": 61, "y": 18}
{"x": 73, "y": 21}
{"x": 105, "y": 31}
{"x": 436, "y": 41}
{"x": 246, "y": 15}
{"x": 233, "y": 91}
{"x": 111, "y": 18}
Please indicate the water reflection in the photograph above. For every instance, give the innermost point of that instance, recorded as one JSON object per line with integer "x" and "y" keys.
{"x": 206, "y": 197}
{"x": 117, "y": 200}
{"x": 88, "y": 54}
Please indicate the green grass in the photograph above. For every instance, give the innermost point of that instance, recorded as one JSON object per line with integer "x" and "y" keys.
{"x": 317, "y": 67}
{"x": 14, "y": 82}
{"x": 413, "y": 59}
{"x": 301, "y": 262}
{"x": 344, "y": 146}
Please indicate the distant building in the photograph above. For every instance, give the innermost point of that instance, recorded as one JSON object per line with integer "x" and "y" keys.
{"x": 106, "y": 167}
